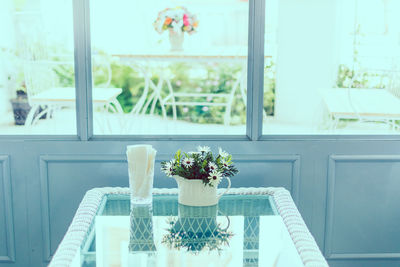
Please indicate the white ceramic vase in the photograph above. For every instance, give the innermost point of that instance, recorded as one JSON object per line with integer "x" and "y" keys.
{"x": 176, "y": 40}
{"x": 196, "y": 193}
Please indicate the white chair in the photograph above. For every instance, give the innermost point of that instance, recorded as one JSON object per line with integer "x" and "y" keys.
{"x": 173, "y": 97}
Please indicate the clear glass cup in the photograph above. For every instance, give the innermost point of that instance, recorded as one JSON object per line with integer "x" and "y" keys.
{"x": 141, "y": 173}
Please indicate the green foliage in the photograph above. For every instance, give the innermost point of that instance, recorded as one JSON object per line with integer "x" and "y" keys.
{"x": 269, "y": 88}
{"x": 65, "y": 74}
{"x": 195, "y": 241}
{"x": 202, "y": 165}
{"x": 202, "y": 78}
{"x": 366, "y": 79}
{"x": 132, "y": 85}
{"x": 213, "y": 79}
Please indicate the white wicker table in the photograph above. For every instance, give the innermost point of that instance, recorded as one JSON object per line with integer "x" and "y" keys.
{"x": 254, "y": 216}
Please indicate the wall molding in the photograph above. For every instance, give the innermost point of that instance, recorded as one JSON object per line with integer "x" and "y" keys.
{"x": 109, "y": 158}
{"x": 9, "y": 217}
{"x": 44, "y": 185}
{"x": 294, "y": 159}
{"x": 330, "y": 195}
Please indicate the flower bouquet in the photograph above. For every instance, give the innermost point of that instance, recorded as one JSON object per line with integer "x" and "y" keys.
{"x": 198, "y": 175}
{"x": 177, "y": 20}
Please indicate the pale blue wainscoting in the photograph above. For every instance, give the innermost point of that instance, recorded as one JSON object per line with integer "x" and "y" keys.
{"x": 348, "y": 191}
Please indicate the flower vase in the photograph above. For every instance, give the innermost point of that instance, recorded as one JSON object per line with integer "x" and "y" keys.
{"x": 196, "y": 193}
{"x": 196, "y": 228}
{"x": 176, "y": 40}
{"x": 196, "y": 220}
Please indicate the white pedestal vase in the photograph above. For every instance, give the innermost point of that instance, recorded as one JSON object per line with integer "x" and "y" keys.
{"x": 176, "y": 40}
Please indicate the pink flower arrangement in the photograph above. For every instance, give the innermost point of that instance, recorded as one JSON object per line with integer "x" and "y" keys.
{"x": 176, "y": 19}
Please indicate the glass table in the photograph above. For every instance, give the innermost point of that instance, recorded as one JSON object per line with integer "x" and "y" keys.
{"x": 249, "y": 227}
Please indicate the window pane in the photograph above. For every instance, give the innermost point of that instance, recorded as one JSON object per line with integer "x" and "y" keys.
{"x": 335, "y": 69}
{"x": 37, "y": 88}
{"x": 169, "y": 67}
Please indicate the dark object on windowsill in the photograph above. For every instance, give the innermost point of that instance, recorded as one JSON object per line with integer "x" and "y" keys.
{"x": 21, "y": 108}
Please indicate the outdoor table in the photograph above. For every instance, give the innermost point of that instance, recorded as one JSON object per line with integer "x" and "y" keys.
{"x": 58, "y": 97}
{"x": 363, "y": 104}
{"x": 265, "y": 226}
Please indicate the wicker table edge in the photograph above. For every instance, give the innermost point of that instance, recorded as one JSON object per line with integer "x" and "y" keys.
{"x": 87, "y": 210}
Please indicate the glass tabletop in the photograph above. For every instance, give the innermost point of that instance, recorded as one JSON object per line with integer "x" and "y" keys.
{"x": 242, "y": 230}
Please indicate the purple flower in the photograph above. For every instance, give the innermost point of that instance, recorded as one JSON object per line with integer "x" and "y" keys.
{"x": 205, "y": 109}
{"x": 178, "y": 83}
{"x": 185, "y": 110}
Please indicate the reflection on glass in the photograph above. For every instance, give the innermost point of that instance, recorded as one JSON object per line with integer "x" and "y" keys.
{"x": 251, "y": 240}
{"x": 37, "y": 87}
{"x": 141, "y": 229}
{"x": 179, "y": 69}
{"x": 339, "y": 76}
{"x": 196, "y": 229}
{"x": 142, "y": 250}
{"x": 230, "y": 234}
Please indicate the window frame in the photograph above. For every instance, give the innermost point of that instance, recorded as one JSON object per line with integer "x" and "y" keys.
{"x": 255, "y": 91}
{"x": 255, "y": 80}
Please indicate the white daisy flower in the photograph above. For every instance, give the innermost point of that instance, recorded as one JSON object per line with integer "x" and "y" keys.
{"x": 168, "y": 169}
{"x": 167, "y": 165}
{"x": 222, "y": 153}
{"x": 225, "y": 163}
{"x": 187, "y": 162}
{"x": 212, "y": 166}
{"x": 203, "y": 149}
{"x": 215, "y": 178}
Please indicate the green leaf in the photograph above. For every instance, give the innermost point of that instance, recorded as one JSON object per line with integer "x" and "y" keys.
{"x": 204, "y": 164}
{"x": 178, "y": 156}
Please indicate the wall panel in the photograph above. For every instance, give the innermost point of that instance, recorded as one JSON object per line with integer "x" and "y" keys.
{"x": 363, "y": 207}
{"x": 7, "y": 247}
{"x": 349, "y": 202}
{"x": 65, "y": 179}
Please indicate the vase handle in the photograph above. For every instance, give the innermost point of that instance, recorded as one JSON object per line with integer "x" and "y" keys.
{"x": 226, "y": 190}
{"x": 227, "y": 220}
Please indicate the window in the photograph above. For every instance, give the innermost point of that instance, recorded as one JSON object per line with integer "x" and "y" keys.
{"x": 169, "y": 67}
{"x": 37, "y": 88}
{"x": 336, "y": 68}
{"x": 181, "y": 67}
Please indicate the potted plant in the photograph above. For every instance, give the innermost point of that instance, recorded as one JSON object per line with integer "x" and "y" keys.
{"x": 177, "y": 21}
{"x": 198, "y": 175}
{"x": 21, "y": 107}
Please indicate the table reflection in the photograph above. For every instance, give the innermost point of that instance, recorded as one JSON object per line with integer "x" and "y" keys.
{"x": 196, "y": 229}
{"x": 166, "y": 233}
